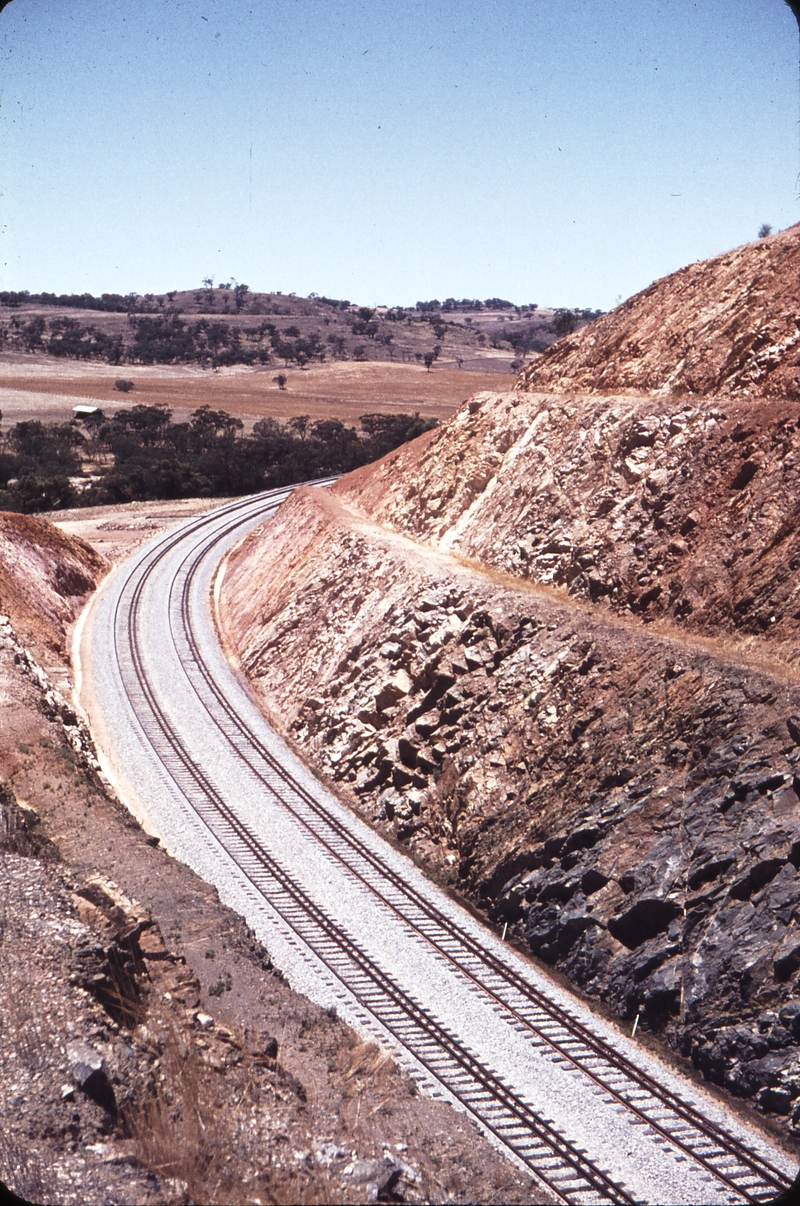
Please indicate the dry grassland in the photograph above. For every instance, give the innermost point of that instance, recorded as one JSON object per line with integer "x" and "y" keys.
{"x": 34, "y": 387}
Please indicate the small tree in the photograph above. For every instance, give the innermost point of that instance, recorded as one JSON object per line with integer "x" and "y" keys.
{"x": 764, "y": 231}
{"x": 564, "y": 323}
{"x": 281, "y": 380}
{"x": 299, "y": 425}
{"x": 33, "y": 334}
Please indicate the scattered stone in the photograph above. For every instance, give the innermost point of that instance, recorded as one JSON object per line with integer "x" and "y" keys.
{"x": 88, "y": 1070}
{"x": 327, "y": 1153}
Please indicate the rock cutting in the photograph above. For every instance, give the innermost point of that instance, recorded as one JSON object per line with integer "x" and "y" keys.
{"x": 552, "y": 649}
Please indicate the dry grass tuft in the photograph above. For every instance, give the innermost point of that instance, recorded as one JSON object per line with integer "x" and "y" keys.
{"x": 185, "y": 1130}
{"x": 179, "y": 1133}
{"x": 363, "y": 1066}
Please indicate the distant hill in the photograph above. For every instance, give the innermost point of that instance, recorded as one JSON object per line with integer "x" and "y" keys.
{"x": 218, "y": 327}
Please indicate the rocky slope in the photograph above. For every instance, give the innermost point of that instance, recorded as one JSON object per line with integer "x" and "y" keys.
{"x": 627, "y": 801}
{"x": 647, "y": 506}
{"x": 728, "y": 324}
{"x": 553, "y": 648}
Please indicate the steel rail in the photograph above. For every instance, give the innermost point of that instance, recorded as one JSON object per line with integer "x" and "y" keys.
{"x": 508, "y": 1117}
{"x": 765, "y": 1179}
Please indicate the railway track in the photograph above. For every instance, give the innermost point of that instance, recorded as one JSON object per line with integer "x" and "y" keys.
{"x": 667, "y": 1120}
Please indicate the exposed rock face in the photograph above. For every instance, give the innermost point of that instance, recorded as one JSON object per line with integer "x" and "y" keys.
{"x": 722, "y": 325}
{"x": 648, "y": 506}
{"x": 44, "y": 576}
{"x": 553, "y": 647}
{"x": 627, "y": 802}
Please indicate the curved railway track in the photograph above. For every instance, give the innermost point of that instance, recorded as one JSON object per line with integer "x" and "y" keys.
{"x": 667, "y": 1121}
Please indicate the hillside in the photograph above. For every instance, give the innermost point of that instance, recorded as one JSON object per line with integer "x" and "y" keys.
{"x": 222, "y": 327}
{"x": 45, "y": 577}
{"x": 552, "y": 647}
{"x": 721, "y": 326}
{"x": 645, "y": 506}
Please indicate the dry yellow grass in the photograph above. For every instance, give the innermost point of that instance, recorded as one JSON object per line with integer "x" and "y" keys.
{"x": 342, "y": 389}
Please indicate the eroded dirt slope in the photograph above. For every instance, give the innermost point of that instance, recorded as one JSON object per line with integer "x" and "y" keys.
{"x": 45, "y": 576}
{"x": 728, "y": 324}
{"x": 627, "y": 801}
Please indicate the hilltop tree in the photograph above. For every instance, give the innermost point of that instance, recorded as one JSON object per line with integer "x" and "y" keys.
{"x": 564, "y": 323}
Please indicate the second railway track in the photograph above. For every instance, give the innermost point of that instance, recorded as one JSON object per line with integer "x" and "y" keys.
{"x": 692, "y": 1156}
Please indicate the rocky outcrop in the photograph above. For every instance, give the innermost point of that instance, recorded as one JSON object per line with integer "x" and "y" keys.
{"x": 649, "y": 507}
{"x": 626, "y": 802}
{"x": 724, "y": 325}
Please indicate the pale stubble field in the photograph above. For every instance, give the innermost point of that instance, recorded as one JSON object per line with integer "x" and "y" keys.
{"x": 39, "y": 387}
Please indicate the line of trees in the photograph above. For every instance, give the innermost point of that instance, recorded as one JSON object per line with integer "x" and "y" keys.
{"x": 468, "y": 303}
{"x": 169, "y": 339}
{"x": 113, "y": 302}
{"x": 140, "y": 453}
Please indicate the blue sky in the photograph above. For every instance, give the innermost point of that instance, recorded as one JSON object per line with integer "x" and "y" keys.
{"x": 565, "y": 152}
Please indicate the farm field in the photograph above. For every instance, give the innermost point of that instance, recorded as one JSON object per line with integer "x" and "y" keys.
{"x": 40, "y": 387}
